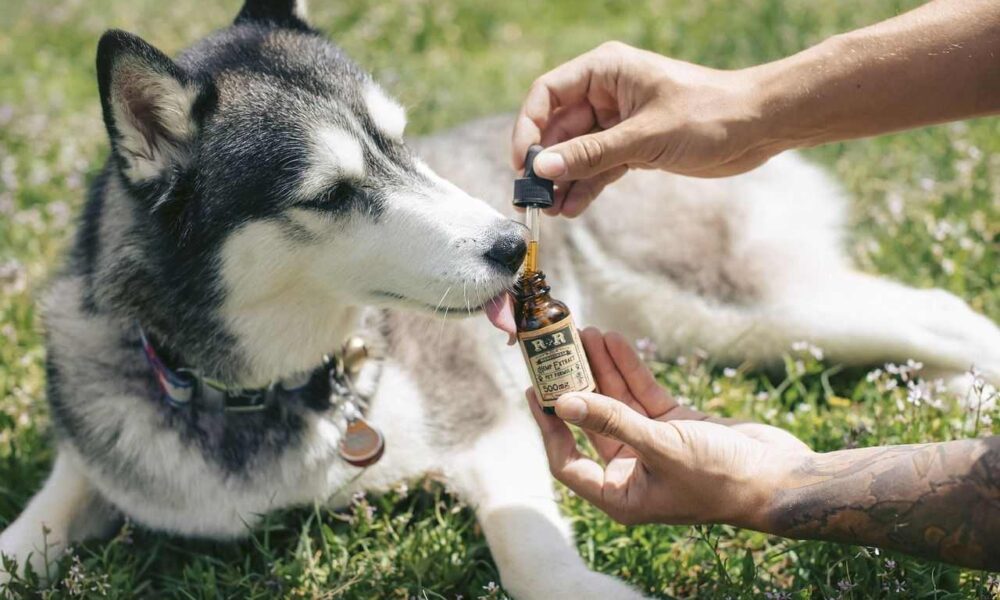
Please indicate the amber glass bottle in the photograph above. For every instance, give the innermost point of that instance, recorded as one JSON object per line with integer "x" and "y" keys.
{"x": 550, "y": 342}
{"x": 548, "y": 337}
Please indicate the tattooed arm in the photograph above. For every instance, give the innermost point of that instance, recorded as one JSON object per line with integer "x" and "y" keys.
{"x": 661, "y": 462}
{"x": 938, "y": 501}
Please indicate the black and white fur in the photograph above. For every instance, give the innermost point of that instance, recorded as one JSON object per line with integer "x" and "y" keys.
{"x": 260, "y": 205}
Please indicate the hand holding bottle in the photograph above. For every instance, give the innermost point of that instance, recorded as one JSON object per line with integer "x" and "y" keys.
{"x": 662, "y": 462}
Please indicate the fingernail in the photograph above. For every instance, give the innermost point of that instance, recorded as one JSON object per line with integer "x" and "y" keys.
{"x": 571, "y": 408}
{"x": 550, "y": 164}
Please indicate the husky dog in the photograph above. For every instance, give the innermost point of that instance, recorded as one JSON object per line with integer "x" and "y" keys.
{"x": 260, "y": 205}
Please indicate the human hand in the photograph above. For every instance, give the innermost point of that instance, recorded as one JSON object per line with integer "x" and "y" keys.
{"x": 618, "y": 107}
{"x": 662, "y": 462}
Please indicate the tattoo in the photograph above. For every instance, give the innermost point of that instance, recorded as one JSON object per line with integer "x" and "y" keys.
{"x": 939, "y": 501}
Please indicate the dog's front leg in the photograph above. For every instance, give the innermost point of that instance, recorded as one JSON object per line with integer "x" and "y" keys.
{"x": 67, "y": 509}
{"x": 505, "y": 478}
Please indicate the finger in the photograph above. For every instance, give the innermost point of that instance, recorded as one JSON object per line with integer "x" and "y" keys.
{"x": 526, "y": 133}
{"x": 546, "y": 423}
{"x": 641, "y": 383}
{"x": 609, "y": 383}
{"x": 577, "y": 472}
{"x": 566, "y": 85}
{"x": 567, "y": 123}
{"x": 600, "y": 362}
{"x": 588, "y": 155}
{"x": 608, "y": 378}
{"x": 586, "y": 191}
{"x": 608, "y": 417}
{"x": 561, "y": 191}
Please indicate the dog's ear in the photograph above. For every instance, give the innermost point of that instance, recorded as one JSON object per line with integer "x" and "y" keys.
{"x": 281, "y": 13}
{"x": 148, "y": 104}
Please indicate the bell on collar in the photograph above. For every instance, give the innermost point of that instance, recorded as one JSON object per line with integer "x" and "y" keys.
{"x": 354, "y": 354}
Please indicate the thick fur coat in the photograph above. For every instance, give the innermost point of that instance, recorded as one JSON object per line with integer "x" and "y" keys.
{"x": 261, "y": 204}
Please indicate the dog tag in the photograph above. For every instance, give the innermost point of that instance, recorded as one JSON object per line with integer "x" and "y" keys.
{"x": 361, "y": 445}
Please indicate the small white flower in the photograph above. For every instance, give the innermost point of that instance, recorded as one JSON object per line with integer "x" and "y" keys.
{"x": 942, "y": 230}
{"x": 13, "y": 277}
{"x": 646, "y": 348}
{"x": 60, "y": 213}
{"x": 895, "y": 202}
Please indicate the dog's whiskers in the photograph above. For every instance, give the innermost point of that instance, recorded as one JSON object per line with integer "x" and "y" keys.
{"x": 446, "y": 309}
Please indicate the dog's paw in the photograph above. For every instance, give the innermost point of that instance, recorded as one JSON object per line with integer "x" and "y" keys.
{"x": 951, "y": 325}
{"x": 20, "y": 546}
{"x": 571, "y": 584}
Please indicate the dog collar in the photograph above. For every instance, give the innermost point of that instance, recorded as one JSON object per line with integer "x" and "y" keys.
{"x": 361, "y": 444}
{"x": 182, "y": 386}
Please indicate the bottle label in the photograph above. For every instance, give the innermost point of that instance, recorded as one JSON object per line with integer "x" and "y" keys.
{"x": 556, "y": 361}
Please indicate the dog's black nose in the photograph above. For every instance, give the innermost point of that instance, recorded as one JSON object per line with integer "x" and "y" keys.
{"x": 508, "y": 251}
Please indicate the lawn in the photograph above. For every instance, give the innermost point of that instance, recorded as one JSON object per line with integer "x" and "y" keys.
{"x": 926, "y": 210}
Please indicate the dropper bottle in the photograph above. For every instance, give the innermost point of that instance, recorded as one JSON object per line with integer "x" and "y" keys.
{"x": 546, "y": 333}
{"x": 532, "y": 193}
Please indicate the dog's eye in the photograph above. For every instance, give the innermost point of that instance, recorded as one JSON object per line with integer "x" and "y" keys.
{"x": 335, "y": 199}
{"x": 341, "y": 194}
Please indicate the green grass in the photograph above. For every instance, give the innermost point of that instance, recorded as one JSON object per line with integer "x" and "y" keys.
{"x": 925, "y": 211}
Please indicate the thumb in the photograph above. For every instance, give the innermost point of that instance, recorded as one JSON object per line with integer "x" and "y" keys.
{"x": 585, "y": 156}
{"x": 608, "y": 417}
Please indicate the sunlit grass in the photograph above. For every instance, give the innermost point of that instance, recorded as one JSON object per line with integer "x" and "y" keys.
{"x": 926, "y": 211}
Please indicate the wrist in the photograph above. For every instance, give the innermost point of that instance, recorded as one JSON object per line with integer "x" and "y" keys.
{"x": 759, "y": 128}
{"x": 792, "y": 98}
{"x": 775, "y": 477}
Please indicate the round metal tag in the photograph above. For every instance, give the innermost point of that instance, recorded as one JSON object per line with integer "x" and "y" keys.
{"x": 361, "y": 445}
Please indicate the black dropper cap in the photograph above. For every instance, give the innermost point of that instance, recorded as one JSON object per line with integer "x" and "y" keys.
{"x": 532, "y": 190}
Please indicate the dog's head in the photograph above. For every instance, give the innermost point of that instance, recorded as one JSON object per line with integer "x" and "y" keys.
{"x": 275, "y": 168}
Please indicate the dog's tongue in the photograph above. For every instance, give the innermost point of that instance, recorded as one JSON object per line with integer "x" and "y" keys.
{"x": 500, "y": 312}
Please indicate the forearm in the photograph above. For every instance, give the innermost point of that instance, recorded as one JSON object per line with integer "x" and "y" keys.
{"x": 939, "y": 501}
{"x": 937, "y": 63}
